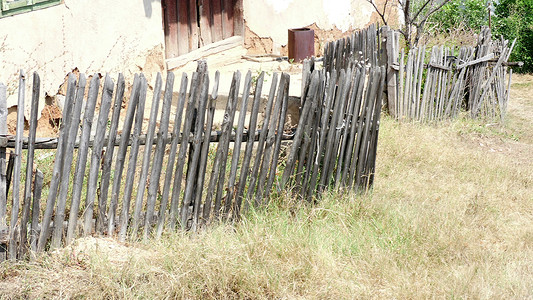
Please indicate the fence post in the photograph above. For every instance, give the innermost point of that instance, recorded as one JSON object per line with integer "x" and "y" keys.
{"x": 383, "y": 51}
{"x": 3, "y": 189}
{"x": 17, "y": 167}
{"x": 29, "y": 164}
{"x": 392, "y": 70}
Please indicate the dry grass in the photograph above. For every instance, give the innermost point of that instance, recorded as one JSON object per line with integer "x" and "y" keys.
{"x": 450, "y": 216}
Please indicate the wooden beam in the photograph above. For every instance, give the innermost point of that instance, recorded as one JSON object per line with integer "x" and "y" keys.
{"x": 210, "y": 49}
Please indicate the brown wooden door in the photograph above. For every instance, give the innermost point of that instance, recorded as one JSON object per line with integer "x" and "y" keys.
{"x": 191, "y": 24}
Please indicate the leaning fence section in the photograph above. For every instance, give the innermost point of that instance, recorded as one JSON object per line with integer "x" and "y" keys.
{"x": 361, "y": 48}
{"x": 336, "y": 138}
{"x": 121, "y": 173}
{"x": 436, "y": 84}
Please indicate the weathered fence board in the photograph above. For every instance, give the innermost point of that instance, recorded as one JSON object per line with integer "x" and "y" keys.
{"x": 147, "y": 155}
{"x": 172, "y": 154}
{"x": 178, "y": 173}
{"x": 56, "y": 173}
{"x": 4, "y": 236}
{"x": 237, "y": 144}
{"x": 17, "y": 167}
{"x": 204, "y": 153}
{"x": 160, "y": 150}
{"x": 108, "y": 160}
{"x": 29, "y": 164}
{"x": 120, "y": 161}
{"x": 132, "y": 166}
{"x": 245, "y": 169}
{"x": 261, "y": 142}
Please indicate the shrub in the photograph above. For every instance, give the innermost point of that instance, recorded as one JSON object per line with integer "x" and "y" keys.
{"x": 471, "y": 14}
{"x": 514, "y": 20}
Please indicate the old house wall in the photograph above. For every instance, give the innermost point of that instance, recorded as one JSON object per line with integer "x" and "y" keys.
{"x": 90, "y": 36}
{"x": 267, "y": 21}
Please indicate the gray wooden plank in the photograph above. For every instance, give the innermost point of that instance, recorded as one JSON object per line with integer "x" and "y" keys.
{"x": 373, "y": 89}
{"x": 4, "y": 230}
{"x": 146, "y": 162}
{"x": 335, "y": 165}
{"x": 245, "y": 169}
{"x": 354, "y": 126}
{"x": 96, "y": 157}
{"x": 196, "y": 151}
{"x": 4, "y": 236}
{"x": 261, "y": 142}
{"x": 172, "y": 154}
{"x": 375, "y": 130}
{"x": 324, "y": 125}
{"x": 237, "y": 144}
{"x": 185, "y": 136}
{"x": 196, "y": 223}
{"x": 132, "y": 165}
{"x": 36, "y": 209}
{"x": 88, "y": 116}
{"x": 121, "y": 153}
{"x": 330, "y": 140}
{"x": 345, "y": 147}
{"x": 159, "y": 152}
{"x": 233, "y": 96}
{"x": 12, "y": 251}
{"x": 291, "y": 159}
{"x": 29, "y": 164}
{"x": 279, "y": 133}
{"x": 219, "y": 156}
{"x": 365, "y": 99}
{"x": 108, "y": 158}
{"x": 308, "y": 187}
{"x": 58, "y": 163}
{"x": 269, "y": 143}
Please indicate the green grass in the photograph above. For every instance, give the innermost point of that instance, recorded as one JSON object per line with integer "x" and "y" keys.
{"x": 450, "y": 216}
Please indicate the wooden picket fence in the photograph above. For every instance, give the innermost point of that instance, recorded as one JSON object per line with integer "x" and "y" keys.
{"x": 438, "y": 85}
{"x": 361, "y": 48}
{"x": 431, "y": 85}
{"x": 182, "y": 181}
{"x": 335, "y": 142}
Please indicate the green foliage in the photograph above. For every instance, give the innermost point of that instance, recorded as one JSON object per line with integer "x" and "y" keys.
{"x": 514, "y": 20}
{"x": 468, "y": 13}
{"x": 511, "y": 19}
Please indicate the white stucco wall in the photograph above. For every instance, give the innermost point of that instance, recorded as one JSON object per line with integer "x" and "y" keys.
{"x": 91, "y": 35}
{"x": 272, "y": 18}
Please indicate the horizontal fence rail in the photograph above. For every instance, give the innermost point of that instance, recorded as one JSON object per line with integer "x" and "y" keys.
{"x": 155, "y": 175}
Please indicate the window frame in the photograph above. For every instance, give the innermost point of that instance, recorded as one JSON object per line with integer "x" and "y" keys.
{"x": 23, "y": 6}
